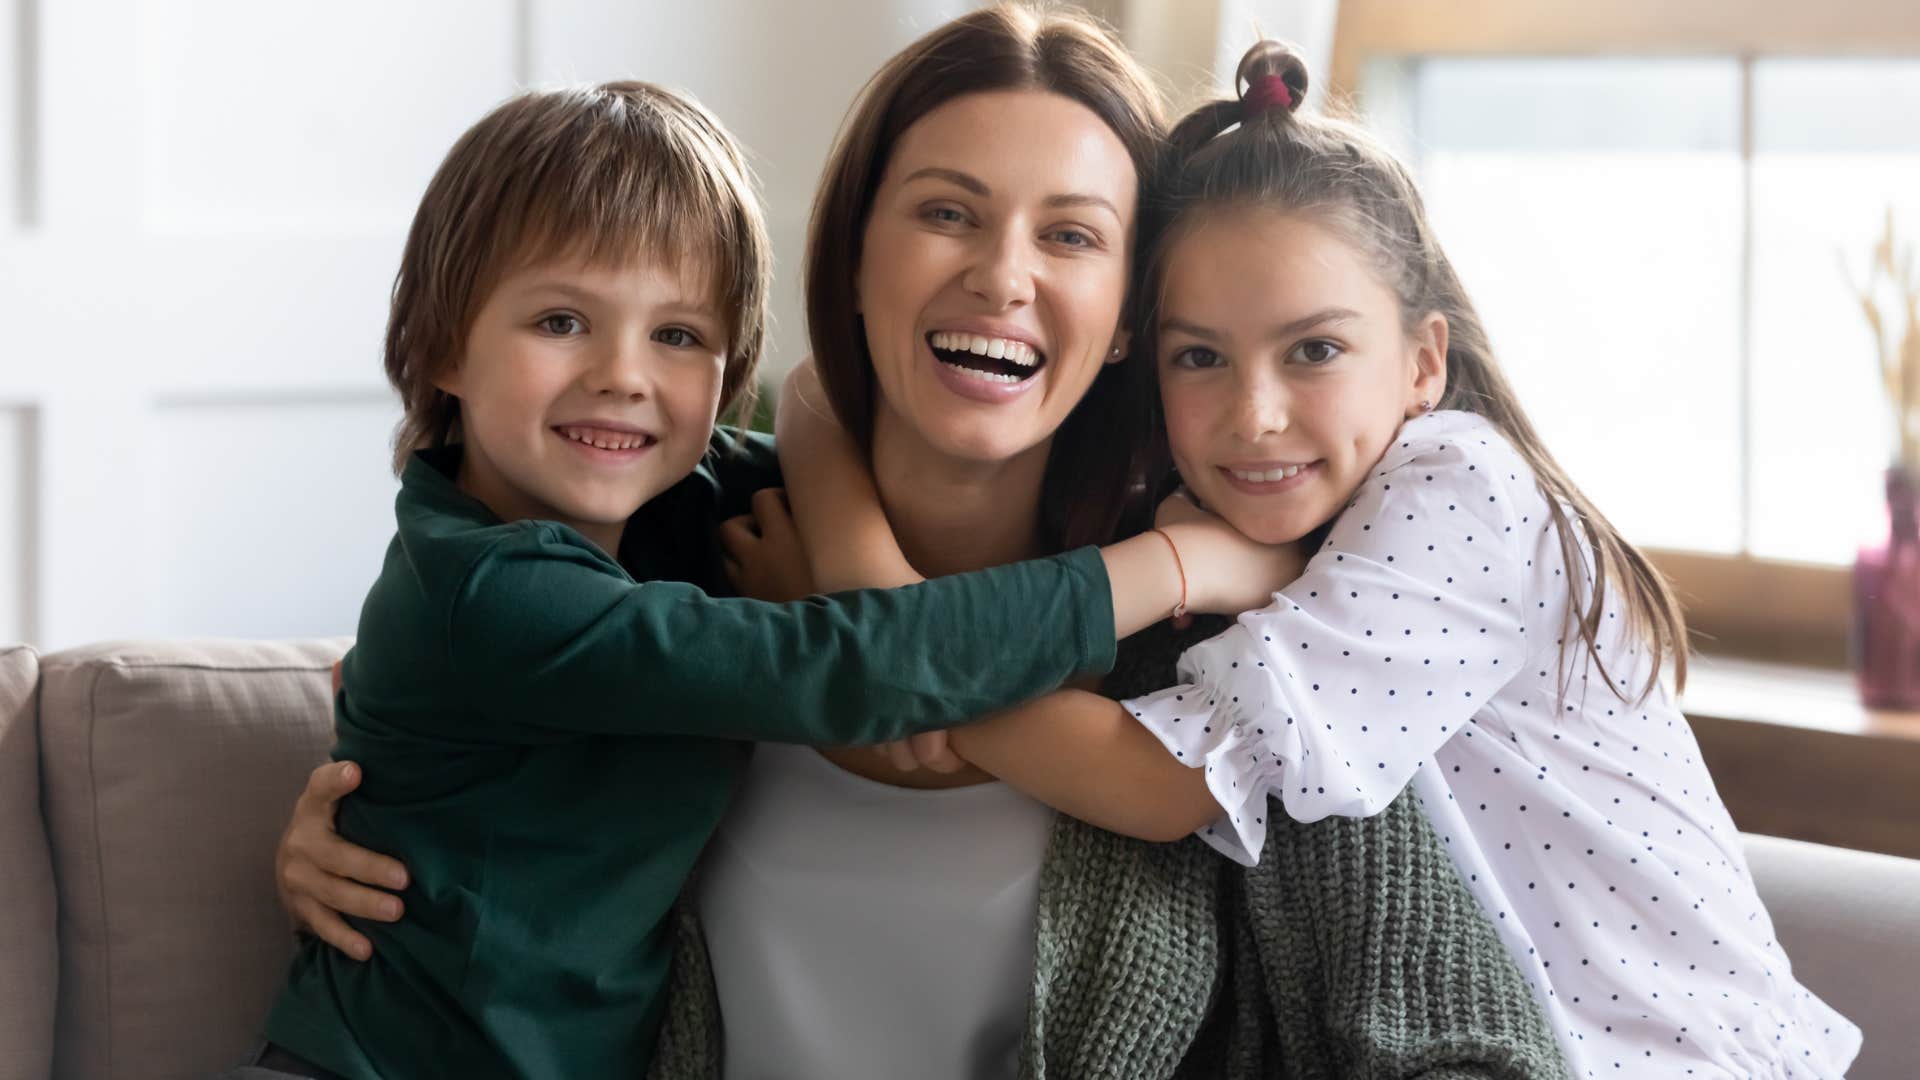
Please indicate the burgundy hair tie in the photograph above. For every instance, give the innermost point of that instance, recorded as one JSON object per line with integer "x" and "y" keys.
{"x": 1263, "y": 93}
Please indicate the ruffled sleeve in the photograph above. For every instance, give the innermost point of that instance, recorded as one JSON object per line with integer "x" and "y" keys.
{"x": 1406, "y": 623}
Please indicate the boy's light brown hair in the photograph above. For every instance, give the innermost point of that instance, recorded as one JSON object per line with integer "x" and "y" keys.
{"x": 607, "y": 173}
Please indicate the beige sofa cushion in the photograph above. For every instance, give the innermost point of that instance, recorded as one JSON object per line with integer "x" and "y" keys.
{"x": 1850, "y": 922}
{"x": 169, "y": 771}
{"x": 29, "y": 964}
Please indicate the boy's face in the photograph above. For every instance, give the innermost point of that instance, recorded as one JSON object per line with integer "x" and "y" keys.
{"x": 585, "y": 391}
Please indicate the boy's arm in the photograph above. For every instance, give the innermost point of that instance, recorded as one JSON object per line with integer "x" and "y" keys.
{"x": 849, "y": 541}
{"x": 1081, "y": 754}
{"x": 544, "y": 635}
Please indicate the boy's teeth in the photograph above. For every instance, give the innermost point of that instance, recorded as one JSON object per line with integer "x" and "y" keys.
{"x": 606, "y": 440}
{"x": 981, "y": 345}
{"x": 1267, "y": 476}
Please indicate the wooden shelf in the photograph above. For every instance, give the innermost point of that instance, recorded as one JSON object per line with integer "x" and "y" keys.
{"x": 1795, "y": 754}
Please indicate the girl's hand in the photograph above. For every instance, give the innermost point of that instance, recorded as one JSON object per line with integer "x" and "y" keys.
{"x": 929, "y": 750}
{"x": 762, "y": 550}
{"x": 1226, "y": 572}
{"x": 321, "y": 877}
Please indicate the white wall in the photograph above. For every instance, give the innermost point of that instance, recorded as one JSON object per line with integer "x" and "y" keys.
{"x": 201, "y": 207}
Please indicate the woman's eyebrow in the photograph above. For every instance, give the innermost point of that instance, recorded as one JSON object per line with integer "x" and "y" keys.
{"x": 976, "y": 186}
{"x": 968, "y": 181}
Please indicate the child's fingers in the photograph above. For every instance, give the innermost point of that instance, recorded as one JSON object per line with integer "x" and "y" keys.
{"x": 774, "y": 516}
{"x": 325, "y": 786}
{"x": 334, "y": 930}
{"x": 900, "y": 753}
{"x": 350, "y": 898}
{"x": 932, "y": 750}
{"x": 738, "y": 537}
{"x": 341, "y": 858}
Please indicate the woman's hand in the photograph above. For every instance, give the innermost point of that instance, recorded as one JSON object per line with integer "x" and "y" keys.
{"x": 763, "y": 554}
{"x": 321, "y": 877}
{"x": 1227, "y": 573}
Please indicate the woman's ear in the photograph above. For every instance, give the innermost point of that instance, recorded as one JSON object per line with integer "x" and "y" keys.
{"x": 1427, "y": 356}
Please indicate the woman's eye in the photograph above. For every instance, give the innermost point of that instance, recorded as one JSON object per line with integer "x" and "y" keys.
{"x": 562, "y": 325}
{"x": 946, "y": 215}
{"x": 1071, "y": 237}
{"x": 1317, "y": 352}
{"x": 677, "y": 337}
{"x": 1198, "y": 359}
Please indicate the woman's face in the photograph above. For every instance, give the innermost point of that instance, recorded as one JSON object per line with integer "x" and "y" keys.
{"x": 993, "y": 269}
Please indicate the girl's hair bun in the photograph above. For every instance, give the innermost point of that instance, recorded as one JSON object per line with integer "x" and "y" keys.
{"x": 1267, "y": 59}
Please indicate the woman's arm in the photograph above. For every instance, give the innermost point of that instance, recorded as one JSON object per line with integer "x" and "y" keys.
{"x": 321, "y": 877}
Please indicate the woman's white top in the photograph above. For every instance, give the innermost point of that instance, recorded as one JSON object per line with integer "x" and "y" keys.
{"x": 859, "y": 930}
{"x": 1423, "y": 647}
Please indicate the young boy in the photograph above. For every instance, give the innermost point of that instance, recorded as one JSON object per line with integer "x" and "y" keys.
{"x": 547, "y": 742}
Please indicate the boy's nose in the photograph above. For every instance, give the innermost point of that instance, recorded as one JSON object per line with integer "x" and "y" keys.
{"x": 1001, "y": 273}
{"x": 623, "y": 371}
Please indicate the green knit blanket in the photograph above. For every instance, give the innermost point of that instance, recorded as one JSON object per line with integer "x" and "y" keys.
{"x": 1352, "y": 950}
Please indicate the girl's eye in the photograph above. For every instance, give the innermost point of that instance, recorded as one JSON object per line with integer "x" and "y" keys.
{"x": 678, "y": 337}
{"x": 561, "y": 324}
{"x": 1317, "y": 352}
{"x": 945, "y": 215}
{"x": 1198, "y": 359}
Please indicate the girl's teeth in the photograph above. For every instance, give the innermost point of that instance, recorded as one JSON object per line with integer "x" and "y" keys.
{"x": 985, "y": 376}
{"x": 981, "y": 345}
{"x": 1267, "y": 476}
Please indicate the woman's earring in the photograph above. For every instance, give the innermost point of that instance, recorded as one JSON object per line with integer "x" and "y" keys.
{"x": 1113, "y": 353}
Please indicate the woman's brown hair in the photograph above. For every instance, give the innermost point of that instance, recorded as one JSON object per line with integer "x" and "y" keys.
{"x": 1223, "y": 156}
{"x": 1094, "y": 463}
{"x": 608, "y": 173}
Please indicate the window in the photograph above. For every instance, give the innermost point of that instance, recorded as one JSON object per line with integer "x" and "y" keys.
{"x": 1651, "y": 205}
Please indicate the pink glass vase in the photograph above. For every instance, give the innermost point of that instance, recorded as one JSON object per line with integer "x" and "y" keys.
{"x": 1886, "y": 603}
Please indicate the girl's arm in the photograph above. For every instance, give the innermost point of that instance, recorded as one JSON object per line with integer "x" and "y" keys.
{"x": 844, "y": 528}
{"x": 1081, "y": 754}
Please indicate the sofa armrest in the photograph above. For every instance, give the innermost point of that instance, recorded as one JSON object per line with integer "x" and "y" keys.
{"x": 1850, "y": 923}
{"x": 169, "y": 770}
{"x": 29, "y": 964}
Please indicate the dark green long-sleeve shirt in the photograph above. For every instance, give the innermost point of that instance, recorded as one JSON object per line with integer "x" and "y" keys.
{"x": 548, "y": 744}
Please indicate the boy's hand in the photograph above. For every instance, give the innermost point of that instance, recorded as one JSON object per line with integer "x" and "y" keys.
{"x": 1227, "y": 573}
{"x": 320, "y": 877}
{"x": 763, "y": 555}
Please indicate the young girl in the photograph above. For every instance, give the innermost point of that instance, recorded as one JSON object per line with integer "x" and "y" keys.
{"x": 1469, "y": 623}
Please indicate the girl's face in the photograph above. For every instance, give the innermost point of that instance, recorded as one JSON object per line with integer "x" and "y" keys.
{"x": 993, "y": 269}
{"x": 1284, "y": 368}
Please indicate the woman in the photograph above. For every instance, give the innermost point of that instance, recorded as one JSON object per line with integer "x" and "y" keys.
{"x": 967, "y": 284}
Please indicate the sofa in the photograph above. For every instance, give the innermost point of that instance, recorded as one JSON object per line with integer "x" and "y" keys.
{"x": 143, "y": 786}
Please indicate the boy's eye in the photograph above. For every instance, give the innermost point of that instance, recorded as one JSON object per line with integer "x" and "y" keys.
{"x": 678, "y": 337}
{"x": 1198, "y": 358}
{"x": 562, "y": 324}
{"x": 1317, "y": 352}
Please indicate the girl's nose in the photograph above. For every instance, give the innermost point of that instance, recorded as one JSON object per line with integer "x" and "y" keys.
{"x": 1263, "y": 406}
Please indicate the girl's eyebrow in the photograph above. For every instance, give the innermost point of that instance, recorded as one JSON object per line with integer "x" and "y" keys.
{"x": 1304, "y": 323}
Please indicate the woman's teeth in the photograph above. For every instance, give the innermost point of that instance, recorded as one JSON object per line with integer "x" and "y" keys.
{"x": 606, "y": 440}
{"x": 994, "y": 348}
{"x": 1267, "y": 476}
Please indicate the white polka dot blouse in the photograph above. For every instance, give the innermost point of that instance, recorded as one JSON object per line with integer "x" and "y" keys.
{"x": 1426, "y": 645}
